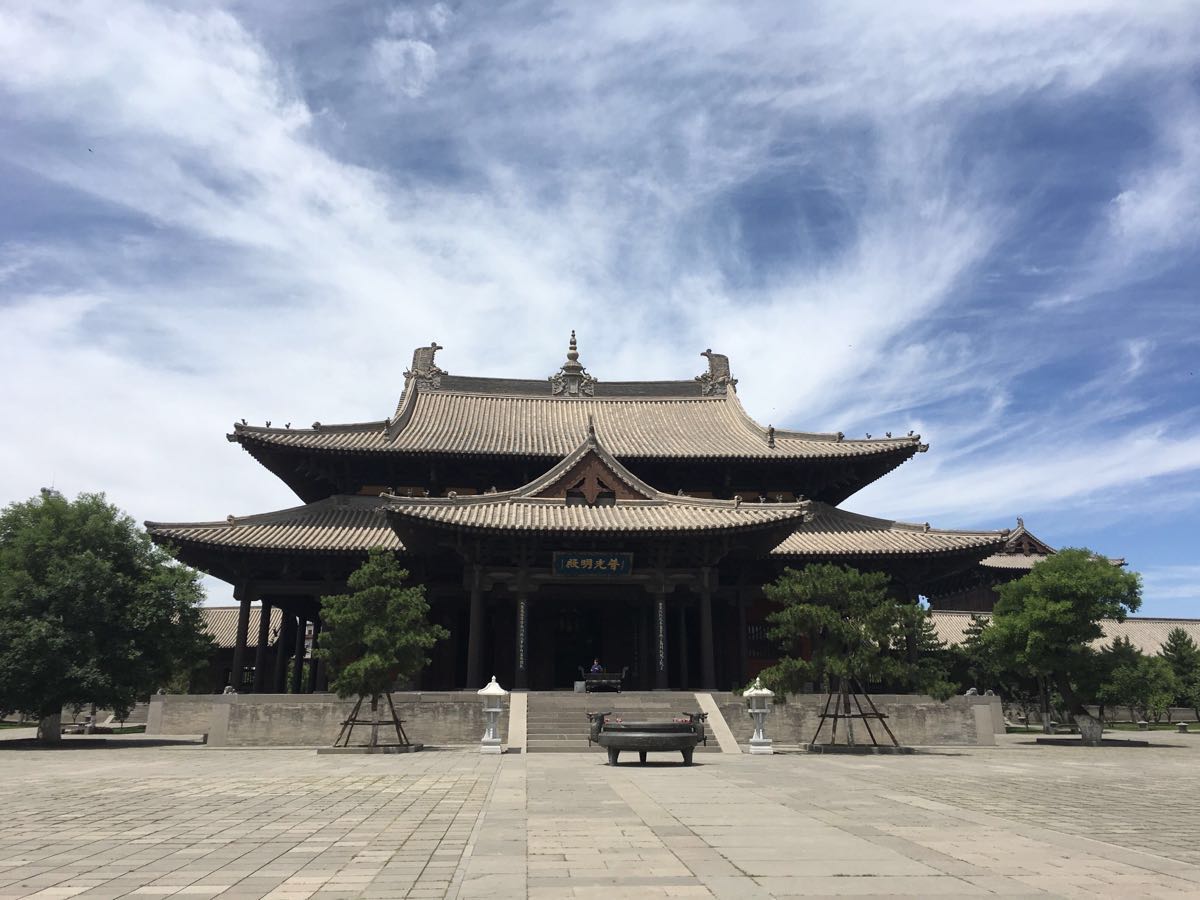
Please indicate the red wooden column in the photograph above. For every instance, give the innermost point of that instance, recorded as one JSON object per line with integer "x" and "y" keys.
{"x": 243, "y": 593}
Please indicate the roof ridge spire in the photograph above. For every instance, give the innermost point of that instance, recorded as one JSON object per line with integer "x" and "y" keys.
{"x": 572, "y": 380}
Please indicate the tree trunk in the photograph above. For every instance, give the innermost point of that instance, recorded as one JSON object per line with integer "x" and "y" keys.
{"x": 1044, "y": 697}
{"x": 1091, "y": 729}
{"x": 374, "y": 721}
{"x": 845, "y": 698}
{"x": 50, "y": 729}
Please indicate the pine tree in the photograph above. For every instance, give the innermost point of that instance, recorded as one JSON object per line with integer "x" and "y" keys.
{"x": 854, "y": 628}
{"x": 378, "y": 633}
{"x": 1183, "y": 656}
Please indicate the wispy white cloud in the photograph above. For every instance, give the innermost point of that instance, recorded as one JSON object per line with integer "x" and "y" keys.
{"x": 807, "y": 194}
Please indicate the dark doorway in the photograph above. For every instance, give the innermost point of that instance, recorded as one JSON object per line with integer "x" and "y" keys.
{"x": 578, "y": 639}
{"x": 570, "y": 629}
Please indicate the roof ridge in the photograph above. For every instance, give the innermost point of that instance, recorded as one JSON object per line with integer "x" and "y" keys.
{"x": 334, "y": 501}
{"x": 315, "y": 428}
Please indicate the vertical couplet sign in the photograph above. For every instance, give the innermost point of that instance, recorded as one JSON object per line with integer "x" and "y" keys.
{"x": 522, "y": 631}
{"x": 660, "y": 613}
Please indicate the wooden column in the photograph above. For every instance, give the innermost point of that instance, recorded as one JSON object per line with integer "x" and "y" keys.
{"x": 743, "y": 642}
{"x": 316, "y": 664}
{"x": 708, "y": 668}
{"x": 660, "y": 640}
{"x": 298, "y": 659}
{"x": 684, "y": 675}
{"x": 475, "y": 631}
{"x": 260, "y": 651}
{"x": 521, "y": 679}
{"x": 282, "y": 648}
{"x": 243, "y": 593}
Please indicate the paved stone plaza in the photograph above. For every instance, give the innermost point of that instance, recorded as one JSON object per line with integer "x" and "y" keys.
{"x": 118, "y": 819}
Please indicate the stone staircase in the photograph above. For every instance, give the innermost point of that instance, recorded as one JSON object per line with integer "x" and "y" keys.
{"x": 557, "y": 720}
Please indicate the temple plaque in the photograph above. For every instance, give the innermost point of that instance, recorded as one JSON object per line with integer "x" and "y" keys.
{"x": 596, "y": 565}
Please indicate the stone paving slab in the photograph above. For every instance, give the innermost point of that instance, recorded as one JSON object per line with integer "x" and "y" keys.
{"x": 1018, "y": 820}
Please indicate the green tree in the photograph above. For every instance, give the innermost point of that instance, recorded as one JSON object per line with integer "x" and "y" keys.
{"x": 987, "y": 670}
{"x": 378, "y": 633}
{"x": 91, "y": 611}
{"x": 1183, "y": 656}
{"x": 852, "y": 626}
{"x": 1145, "y": 684}
{"x": 1099, "y": 679}
{"x": 1046, "y": 621}
{"x": 931, "y": 671}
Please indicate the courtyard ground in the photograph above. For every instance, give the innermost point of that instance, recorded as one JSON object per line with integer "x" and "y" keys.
{"x": 119, "y": 818}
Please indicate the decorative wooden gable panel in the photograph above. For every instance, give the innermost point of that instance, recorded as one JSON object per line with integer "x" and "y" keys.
{"x": 592, "y": 480}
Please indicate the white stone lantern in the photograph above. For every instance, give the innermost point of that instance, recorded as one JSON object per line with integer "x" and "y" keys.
{"x": 758, "y": 704}
{"x": 493, "y": 704}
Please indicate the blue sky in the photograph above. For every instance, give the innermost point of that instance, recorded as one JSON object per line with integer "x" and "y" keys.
{"x": 979, "y": 221}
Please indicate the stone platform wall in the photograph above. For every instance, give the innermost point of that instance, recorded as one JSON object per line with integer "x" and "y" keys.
{"x": 180, "y": 713}
{"x": 313, "y": 720}
{"x": 915, "y": 719}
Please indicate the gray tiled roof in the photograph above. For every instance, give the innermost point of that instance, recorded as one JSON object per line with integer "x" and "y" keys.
{"x": 626, "y": 516}
{"x": 339, "y": 524}
{"x": 1021, "y": 561}
{"x": 523, "y": 509}
{"x": 499, "y": 424}
{"x": 344, "y": 524}
{"x": 221, "y": 623}
{"x": 1147, "y": 634}
{"x": 836, "y": 532}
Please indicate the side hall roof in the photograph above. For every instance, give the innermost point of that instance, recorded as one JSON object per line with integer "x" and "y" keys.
{"x": 1022, "y": 551}
{"x": 1147, "y": 634}
{"x": 221, "y": 624}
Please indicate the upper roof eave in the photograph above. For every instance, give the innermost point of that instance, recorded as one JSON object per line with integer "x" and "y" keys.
{"x": 694, "y": 513}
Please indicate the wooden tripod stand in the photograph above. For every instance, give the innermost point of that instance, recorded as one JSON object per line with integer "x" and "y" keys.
{"x": 841, "y": 710}
{"x": 343, "y": 738}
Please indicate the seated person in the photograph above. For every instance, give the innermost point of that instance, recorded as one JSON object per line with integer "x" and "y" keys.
{"x": 596, "y": 667}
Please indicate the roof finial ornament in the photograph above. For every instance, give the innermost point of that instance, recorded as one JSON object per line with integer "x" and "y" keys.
{"x": 1020, "y": 522}
{"x": 425, "y": 373}
{"x": 771, "y": 436}
{"x": 572, "y": 380}
{"x": 717, "y": 379}
{"x": 591, "y": 431}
